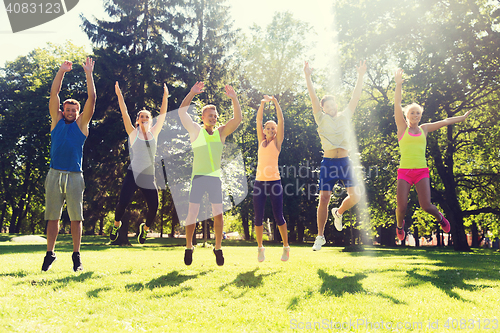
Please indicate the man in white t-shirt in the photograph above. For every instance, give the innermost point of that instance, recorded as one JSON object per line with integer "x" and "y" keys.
{"x": 334, "y": 132}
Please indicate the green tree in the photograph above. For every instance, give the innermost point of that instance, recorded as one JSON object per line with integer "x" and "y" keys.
{"x": 209, "y": 43}
{"x": 272, "y": 57}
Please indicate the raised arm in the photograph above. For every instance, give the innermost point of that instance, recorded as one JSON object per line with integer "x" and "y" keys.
{"x": 398, "y": 109}
{"x": 281, "y": 124}
{"x": 54, "y": 101}
{"x": 163, "y": 113}
{"x": 259, "y": 117}
{"x": 312, "y": 93}
{"x": 234, "y": 122}
{"x": 88, "y": 110}
{"x": 429, "y": 127}
{"x": 123, "y": 109}
{"x": 356, "y": 94}
{"x": 188, "y": 123}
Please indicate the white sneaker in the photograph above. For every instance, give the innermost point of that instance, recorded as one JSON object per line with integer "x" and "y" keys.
{"x": 319, "y": 242}
{"x": 261, "y": 257}
{"x": 286, "y": 253}
{"x": 337, "y": 219}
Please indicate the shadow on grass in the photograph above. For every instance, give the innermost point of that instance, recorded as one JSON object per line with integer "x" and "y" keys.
{"x": 95, "y": 293}
{"x": 172, "y": 279}
{"x": 337, "y": 287}
{"x": 348, "y": 285}
{"x": 246, "y": 280}
{"x": 18, "y": 274}
{"x": 294, "y": 302}
{"x": 63, "y": 282}
{"x": 174, "y": 293}
{"x": 445, "y": 280}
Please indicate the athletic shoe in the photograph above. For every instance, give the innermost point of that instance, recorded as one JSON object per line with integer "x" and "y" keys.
{"x": 141, "y": 238}
{"x": 50, "y": 257}
{"x": 401, "y": 232}
{"x": 337, "y": 219}
{"x": 219, "y": 258}
{"x": 188, "y": 256}
{"x": 445, "y": 225}
{"x": 286, "y": 253}
{"x": 77, "y": 263}
{"x": 261, "y": 257}
{"x": 115, "y": 232}
{"x": 319, "y": 242}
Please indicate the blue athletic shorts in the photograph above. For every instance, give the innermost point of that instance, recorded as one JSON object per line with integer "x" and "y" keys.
{"x": 335, "y": 170}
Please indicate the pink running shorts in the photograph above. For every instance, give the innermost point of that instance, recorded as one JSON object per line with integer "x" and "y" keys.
{"x": 413, "y": 176}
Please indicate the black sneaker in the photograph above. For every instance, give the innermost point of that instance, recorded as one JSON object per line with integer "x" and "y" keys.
{"x": 219, "y": 258}
{"x": 50, "y": 257}
{"x": 141, "y": 238}
{"x": 188, "y": 256}
{"x": 115, "y": 232}
{"x": 77, "y": 263}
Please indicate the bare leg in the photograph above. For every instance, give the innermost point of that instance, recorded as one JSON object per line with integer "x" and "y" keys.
{"x": 284, "y": 234}
{"x": 402, "y": 200}
{"x": 351, "y": 199}
{"x": 218, "y": 224}
{"x": 424, "y": 197}
{"x": 52, "y": 232}
{"x": 324, "y": 200}
{"x": 191, "y": 223}
{"x": 76, "y": 234}
{"x": 259, "y": 231}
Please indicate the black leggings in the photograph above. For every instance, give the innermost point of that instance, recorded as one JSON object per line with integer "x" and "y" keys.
{"x": 128, "y": 189}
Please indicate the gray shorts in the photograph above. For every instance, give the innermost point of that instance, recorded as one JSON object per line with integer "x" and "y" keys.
{"x": 61, "y": 186}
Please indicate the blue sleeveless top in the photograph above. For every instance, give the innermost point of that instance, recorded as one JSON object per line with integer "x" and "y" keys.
{"x": 66, "y": 147}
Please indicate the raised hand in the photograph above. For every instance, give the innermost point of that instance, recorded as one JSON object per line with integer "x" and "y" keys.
{"x": 399, "y": 76}
{"x": 230, "y": 92}
{"x": 88, "y": 66}
{"x": 165, "y": 89}
{"x": 307, "y": 70}
{"x": 117, "y": 89}
{"x": 66, "y": 66}
{"x": 267, "y": 99}
{"x": 466, "y": 114}
{"x": 197, "y": 88}
{"x": 361, "y": 68}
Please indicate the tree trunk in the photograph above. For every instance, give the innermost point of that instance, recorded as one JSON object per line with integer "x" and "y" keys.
{"x": 387, "y": 235}
{"x": 300, "y": 231}
{"x": 417, "y": 238}
{"x": 101, "y": 225}
{"x": 175, "y": 220}
{"x": 475, "y": 235}
{"x": 244, "y": 220}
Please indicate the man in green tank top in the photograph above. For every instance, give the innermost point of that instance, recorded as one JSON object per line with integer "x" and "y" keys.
{"x": 207, "y": 142}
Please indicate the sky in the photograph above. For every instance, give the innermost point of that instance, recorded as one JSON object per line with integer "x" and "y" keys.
{"x": 245, "y": 13}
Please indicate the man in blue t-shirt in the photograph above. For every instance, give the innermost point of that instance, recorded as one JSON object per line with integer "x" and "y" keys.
{"x": 64, "y": 182}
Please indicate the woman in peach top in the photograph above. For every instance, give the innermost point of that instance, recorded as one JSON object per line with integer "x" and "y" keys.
{"x": 268, "y": 180}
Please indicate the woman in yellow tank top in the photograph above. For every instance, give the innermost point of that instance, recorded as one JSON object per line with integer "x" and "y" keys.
{"x": 268, "y": 180}
{"x": 413, "y": 168}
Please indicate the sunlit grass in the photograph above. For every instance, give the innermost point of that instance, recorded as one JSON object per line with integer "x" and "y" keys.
{"x": 148, "y": 288}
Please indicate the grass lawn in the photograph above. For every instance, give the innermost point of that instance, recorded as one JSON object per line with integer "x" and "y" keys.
{"x": 149, "y": 289}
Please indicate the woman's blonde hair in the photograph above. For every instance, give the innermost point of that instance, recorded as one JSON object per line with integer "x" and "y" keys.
{"x": 411, "y": 106}
{"x": 270, "y": 121}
